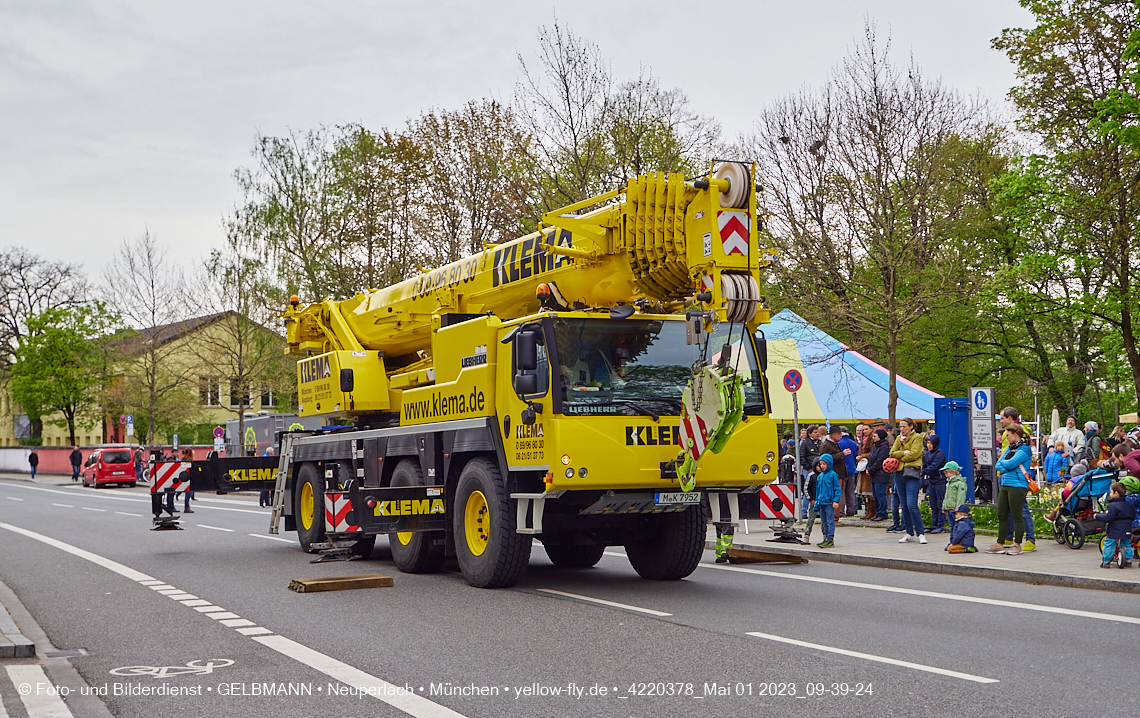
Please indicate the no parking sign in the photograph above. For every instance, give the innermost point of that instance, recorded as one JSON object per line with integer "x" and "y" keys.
{"x": 793, "y": 380}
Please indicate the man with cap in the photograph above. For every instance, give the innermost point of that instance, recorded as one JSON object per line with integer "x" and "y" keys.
{"x": 1072, "y": 437}
{"x": 831, "y": 446}
{"x": 850, "y": 453}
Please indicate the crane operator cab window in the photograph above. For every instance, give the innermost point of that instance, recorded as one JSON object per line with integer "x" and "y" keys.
{"x": 640, "y": 367}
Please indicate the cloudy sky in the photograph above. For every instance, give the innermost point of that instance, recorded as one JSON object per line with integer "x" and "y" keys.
{"x": 119, "y": 117}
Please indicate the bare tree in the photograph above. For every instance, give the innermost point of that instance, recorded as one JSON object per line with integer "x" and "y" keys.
{"x": 566, "y": 107}
{"x": 866, "y": 197}
{"x": 479, "y": 178}
{"x": 28, "y": 286}
{"x": 148, "y": 292}
{"x": 237, "y": 344}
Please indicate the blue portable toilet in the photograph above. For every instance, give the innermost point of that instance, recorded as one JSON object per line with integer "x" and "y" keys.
{"x": 952, "y": 424}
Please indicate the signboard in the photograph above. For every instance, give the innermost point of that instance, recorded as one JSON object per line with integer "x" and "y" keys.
{"x": 130, "y": 429}
{"x": 982, "y": 402}
{"x": 982, "y": 435}
{"x": 176, "y": 442}
{"x": 793, "y": 380}
{"x": 986, "y": 457}
{"x": 219, "y": 444}
{"x": 219, "y": 432}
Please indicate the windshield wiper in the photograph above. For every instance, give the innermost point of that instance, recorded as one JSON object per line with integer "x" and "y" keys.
{"x": 639, "y": 408}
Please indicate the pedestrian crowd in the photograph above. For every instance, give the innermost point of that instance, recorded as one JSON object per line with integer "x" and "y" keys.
{"x": 889, "y": 474}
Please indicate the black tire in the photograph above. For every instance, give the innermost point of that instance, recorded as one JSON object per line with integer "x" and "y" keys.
{"x": 363, "y": 547}
{"x": 1074, "y": 533}
{"x": 571, "y": 556}
{"x": 1059, "y": 531}
{"x": 419, "y": 554}
{"x": 315, "y": 533}
{"x": 503, "y": 554}
{"x": 675, "y": 550}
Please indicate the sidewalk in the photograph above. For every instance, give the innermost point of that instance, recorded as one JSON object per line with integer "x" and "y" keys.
{"x": 42, "y": 479}
{"x": 1051, "y": 564}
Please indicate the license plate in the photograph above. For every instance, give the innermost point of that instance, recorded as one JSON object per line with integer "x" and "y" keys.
{"x": 677, "y": 498}
{"x": 117, "y": 473}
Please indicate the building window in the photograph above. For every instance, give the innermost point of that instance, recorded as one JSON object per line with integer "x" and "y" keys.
{"x": 209, "y": 391}
{"x": 267, "y": 400}
{"x": 236, "y": 396}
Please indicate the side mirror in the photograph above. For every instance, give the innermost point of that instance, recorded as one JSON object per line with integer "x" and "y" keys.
{"x": 762, "y": 352}
{"x": 526, "y": 384}
{"x": 526, "y": 351}
{"x": 346, "y": 380}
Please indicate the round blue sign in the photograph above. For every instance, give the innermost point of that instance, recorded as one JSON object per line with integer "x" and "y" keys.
{"x": 980, "y": 400}
{"x": 793, "y": 380}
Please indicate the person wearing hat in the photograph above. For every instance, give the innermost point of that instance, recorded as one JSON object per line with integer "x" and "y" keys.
{"x": 955, "y": 490}
{"x": 962, "y": 533}
{"x": 831, "y": 446}
{"x": 1092, "y": 452}
{"x": 1072, "y": 437}
{"x": 1118, "y": 517}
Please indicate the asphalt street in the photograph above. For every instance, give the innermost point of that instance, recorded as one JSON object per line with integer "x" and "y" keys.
{"x": 825, "y": 638}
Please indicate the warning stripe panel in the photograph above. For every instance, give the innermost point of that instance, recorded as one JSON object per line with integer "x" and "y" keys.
{"x": 777, "y": 501}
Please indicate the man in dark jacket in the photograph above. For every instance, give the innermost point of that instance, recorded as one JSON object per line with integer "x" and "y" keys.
{"x": 831, "y": 446}
{"x": 76, "y": 460}
{"x": 933, "y": 459}
{"x": 809, "y": 455}
{"x": 33, "y": 461}
{"x": 1119, "y": 519}
{"x": 850, "y": 451}
{"x": 879, "y": 478}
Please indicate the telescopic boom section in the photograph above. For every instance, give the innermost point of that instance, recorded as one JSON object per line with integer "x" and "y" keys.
{"x": 660, "y": 238}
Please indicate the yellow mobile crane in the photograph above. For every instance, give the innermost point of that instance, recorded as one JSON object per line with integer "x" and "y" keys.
{"x": 564, "y": 385}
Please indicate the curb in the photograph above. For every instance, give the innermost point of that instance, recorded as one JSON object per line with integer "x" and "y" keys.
{"x": 953, "y": 569}
{"x": 12, "y": 642}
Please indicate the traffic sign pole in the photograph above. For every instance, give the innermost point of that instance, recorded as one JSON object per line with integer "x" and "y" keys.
{"x": 793, "y": 380}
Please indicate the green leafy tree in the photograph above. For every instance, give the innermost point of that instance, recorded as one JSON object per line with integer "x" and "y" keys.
{"x": 63, "y": 363}
{"x": 1069, "y": 65}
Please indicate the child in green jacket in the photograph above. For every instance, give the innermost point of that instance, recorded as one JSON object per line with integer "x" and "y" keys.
{"x": 955, "y": 489}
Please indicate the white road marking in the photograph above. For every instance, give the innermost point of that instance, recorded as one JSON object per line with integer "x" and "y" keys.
{"x": 101, "y": 494}
{"x": 255, "y": 631}
{"x": 88, "y": 508}
{"x": 933, "y": 594}
{"x": 127, "y": 513}
{"x": 368, "y": 684}
{"x": 181, "y": 596}
{"x": 171, "y": 591}
{"x": 41, "y": 700}
{"x": 214, "y": 528}
{"x": 375, "y": 687}
{"x": 222, "y": 614}
{"x": 64, "y": 506}
{"x": 152, "y": 582}
{"x": 94, "y": 558}
{"x": 12, "y": 498}
{"x": 237, "y": 622}
{"x": 160, "y": 587}
{"x": 604, "y": 602}
{"x": 272, "y": 538}
{"x": 195, "y": 602}
{"x": 878, "y": 659}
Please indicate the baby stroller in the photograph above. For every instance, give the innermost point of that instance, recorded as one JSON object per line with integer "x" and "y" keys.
{"x": 1074, "y": 522}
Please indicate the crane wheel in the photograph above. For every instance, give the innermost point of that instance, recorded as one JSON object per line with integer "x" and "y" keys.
{"x": 675, "y": 549}
{"x": 490, "y": 553}
{"x": 414, "y": 552}
{"x": 571, "y": 556}
{"x": 309, "y": 507}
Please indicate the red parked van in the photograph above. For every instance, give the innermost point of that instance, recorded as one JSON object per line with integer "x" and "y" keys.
{"x": 109, "y": 466}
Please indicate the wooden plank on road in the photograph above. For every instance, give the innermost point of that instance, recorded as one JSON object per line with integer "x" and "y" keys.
{"x": 339, "y": 583}
{"x": 748, "y": 555}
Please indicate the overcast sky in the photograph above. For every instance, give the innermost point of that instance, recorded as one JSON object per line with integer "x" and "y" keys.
{"x": 118, "y": 117}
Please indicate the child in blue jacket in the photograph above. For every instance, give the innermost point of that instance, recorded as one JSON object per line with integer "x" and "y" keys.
{"x": 1056, "y": 464}
{"x": 827, "y": 497}
{"x": 1118, "y": 518}
{"x": 962, "y": 532}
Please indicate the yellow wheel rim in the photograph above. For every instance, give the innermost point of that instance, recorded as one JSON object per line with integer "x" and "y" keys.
{"x": 307, "y": 503}
{"x": 476, "y": 523}
{"x": 405, "y": 537}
